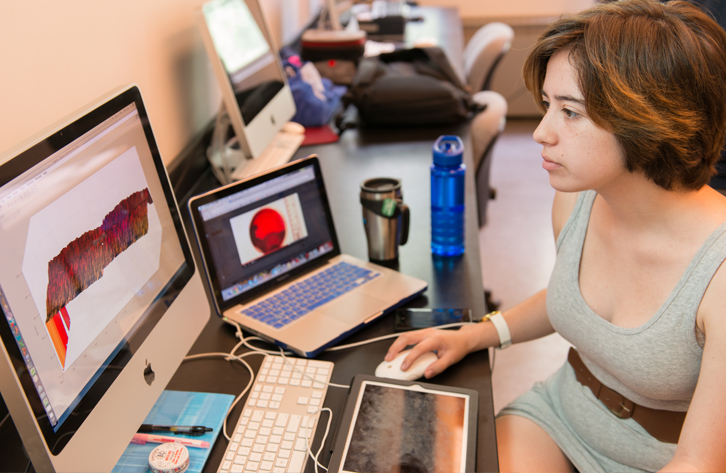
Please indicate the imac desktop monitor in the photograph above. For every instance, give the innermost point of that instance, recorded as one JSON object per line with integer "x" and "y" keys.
{"x": 99, "y": 293}
{"x": 255, "y": 92}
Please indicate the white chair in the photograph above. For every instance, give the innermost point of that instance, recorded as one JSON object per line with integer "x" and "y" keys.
{"x": 485, "y": 129}
{"x": 483, "y": 52}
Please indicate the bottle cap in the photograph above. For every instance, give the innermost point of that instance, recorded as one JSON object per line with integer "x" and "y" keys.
{"x": 448, "y": 150}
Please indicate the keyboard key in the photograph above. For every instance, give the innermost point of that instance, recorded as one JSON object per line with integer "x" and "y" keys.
{"x": 300, "y": 445}
{"x": 282, "y": 419}
{"x": 294, "y": 423}
{"x": 297, "y": 461}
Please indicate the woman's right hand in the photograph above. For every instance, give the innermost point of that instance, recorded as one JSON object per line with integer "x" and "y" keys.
{"x": 450, "y": 346}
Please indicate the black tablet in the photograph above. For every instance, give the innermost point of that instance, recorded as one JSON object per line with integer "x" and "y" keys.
{"x": 406, "y": 426}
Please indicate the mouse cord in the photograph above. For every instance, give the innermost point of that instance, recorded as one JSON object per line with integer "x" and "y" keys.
{"x": 230, "y": 357}
{"x": 260, "y": 351}
{"x": 322, "y": 442}
{"x": 279, "y": 351}
{"x": 393, "y": 335}
{"x": 282, "y": 353}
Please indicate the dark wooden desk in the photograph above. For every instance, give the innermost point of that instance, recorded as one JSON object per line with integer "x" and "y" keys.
{"x": 453, "y": 282}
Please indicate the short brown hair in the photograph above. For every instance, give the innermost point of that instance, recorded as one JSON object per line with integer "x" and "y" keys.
{"x": 654, "y": 75}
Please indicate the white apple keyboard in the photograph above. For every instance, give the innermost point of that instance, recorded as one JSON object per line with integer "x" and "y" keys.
{"x": 392, "y": 369}
{"x": 281, "y": 413}
{"x": 277, "y": 153}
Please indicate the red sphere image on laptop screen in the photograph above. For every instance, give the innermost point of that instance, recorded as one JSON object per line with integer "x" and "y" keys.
{"x": 267, "y": 230}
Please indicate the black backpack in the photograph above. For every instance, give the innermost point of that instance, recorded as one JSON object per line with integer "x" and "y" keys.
{"x": 408, "y": 87}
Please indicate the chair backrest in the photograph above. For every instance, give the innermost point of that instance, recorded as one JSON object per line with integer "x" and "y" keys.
{"x": 485, "y": 129}
{"x": 483, "y": 52}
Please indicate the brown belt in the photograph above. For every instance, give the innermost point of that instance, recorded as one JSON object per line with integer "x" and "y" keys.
{"x": 663, "y": 425}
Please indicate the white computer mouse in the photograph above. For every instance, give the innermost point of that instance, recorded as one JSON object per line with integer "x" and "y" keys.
{"x": 392, "y": 369}
{"x": 293, "y": 127}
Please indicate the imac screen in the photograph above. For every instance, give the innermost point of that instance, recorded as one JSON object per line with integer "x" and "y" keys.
{"x": 91, "y": 260}
{"x": 245, "y": 52}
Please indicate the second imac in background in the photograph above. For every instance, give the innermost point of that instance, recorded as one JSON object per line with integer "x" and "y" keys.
{"x": 256, "y": 98}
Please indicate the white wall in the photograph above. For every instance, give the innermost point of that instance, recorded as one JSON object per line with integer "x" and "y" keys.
{"x": 57, "y": 56}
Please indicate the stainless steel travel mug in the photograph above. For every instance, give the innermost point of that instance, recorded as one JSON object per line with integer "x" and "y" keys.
{"x": 385, "y": 217}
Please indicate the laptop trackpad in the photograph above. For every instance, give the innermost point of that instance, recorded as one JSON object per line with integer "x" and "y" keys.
{"x": 354, "y": 308}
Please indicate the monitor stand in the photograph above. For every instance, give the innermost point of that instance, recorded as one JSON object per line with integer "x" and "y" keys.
{"x": 229, "y": 163}
{"x": 278, "y": 152}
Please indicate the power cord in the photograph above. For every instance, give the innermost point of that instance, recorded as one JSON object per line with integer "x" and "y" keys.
{"x": 245, "y": 341}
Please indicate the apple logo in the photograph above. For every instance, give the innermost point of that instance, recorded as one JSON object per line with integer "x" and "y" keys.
{"x": 149, "y": 374}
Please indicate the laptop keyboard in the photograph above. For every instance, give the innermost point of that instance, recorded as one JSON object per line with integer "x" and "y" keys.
{"x": 307, "y": 295}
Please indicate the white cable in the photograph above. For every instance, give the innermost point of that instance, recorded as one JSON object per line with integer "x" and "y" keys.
{"x": 229, "y": 357}
{"x": 4, "y": 419}
{"x": 280, "y": 351}
{"x": 260, "y": 351}
{"x": 343, "y": 386}
{"x": 308, "y": 428}
{"x": 256, "y": 350}
{"x": 393, "y": 335}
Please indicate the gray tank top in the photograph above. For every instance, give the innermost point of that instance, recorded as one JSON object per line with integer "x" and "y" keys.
{"x": 655, "y": 365}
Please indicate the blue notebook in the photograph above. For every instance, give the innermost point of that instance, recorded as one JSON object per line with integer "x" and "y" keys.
{"x": 180, "y": 408}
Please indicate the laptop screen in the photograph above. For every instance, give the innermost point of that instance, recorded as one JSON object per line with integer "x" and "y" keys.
{"x": 256, "y": 234}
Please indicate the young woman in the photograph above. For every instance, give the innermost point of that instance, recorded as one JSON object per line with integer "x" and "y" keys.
{"x": 634, "y": 102}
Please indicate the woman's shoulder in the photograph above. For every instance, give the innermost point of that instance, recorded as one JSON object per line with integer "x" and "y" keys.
{"x": 714, "y": 215}
{"x": 562, "y": 207}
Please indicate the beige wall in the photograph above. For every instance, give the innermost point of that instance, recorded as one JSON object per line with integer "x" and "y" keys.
{"x": 508, "y": 8}
{"x": 527, "y": 18}
{"x": 57, "y": 56}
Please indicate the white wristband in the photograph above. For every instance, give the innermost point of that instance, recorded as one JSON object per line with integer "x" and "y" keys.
{"x": 505, "y": 338}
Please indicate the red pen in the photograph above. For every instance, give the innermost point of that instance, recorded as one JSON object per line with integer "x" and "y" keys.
{"x": 143, "y": 438}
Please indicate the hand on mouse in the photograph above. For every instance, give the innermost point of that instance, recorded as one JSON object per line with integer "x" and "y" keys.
{"x": 451, "y": 347}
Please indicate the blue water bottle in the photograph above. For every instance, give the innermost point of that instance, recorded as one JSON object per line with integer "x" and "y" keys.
{"x": 447, "y": 197}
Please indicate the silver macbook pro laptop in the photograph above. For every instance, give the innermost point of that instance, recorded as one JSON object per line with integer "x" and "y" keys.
{"x": 274, "y": 265}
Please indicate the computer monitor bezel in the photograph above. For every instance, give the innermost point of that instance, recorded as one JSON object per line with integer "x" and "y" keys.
{"x": 255, "y": 136}
{"x": 126, "y": 364}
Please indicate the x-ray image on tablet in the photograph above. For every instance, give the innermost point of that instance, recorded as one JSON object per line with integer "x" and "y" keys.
{"x": 406, "y": 427}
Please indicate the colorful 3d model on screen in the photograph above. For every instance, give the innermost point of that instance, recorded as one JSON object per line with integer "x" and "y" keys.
{"x": 83, "y": 260}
